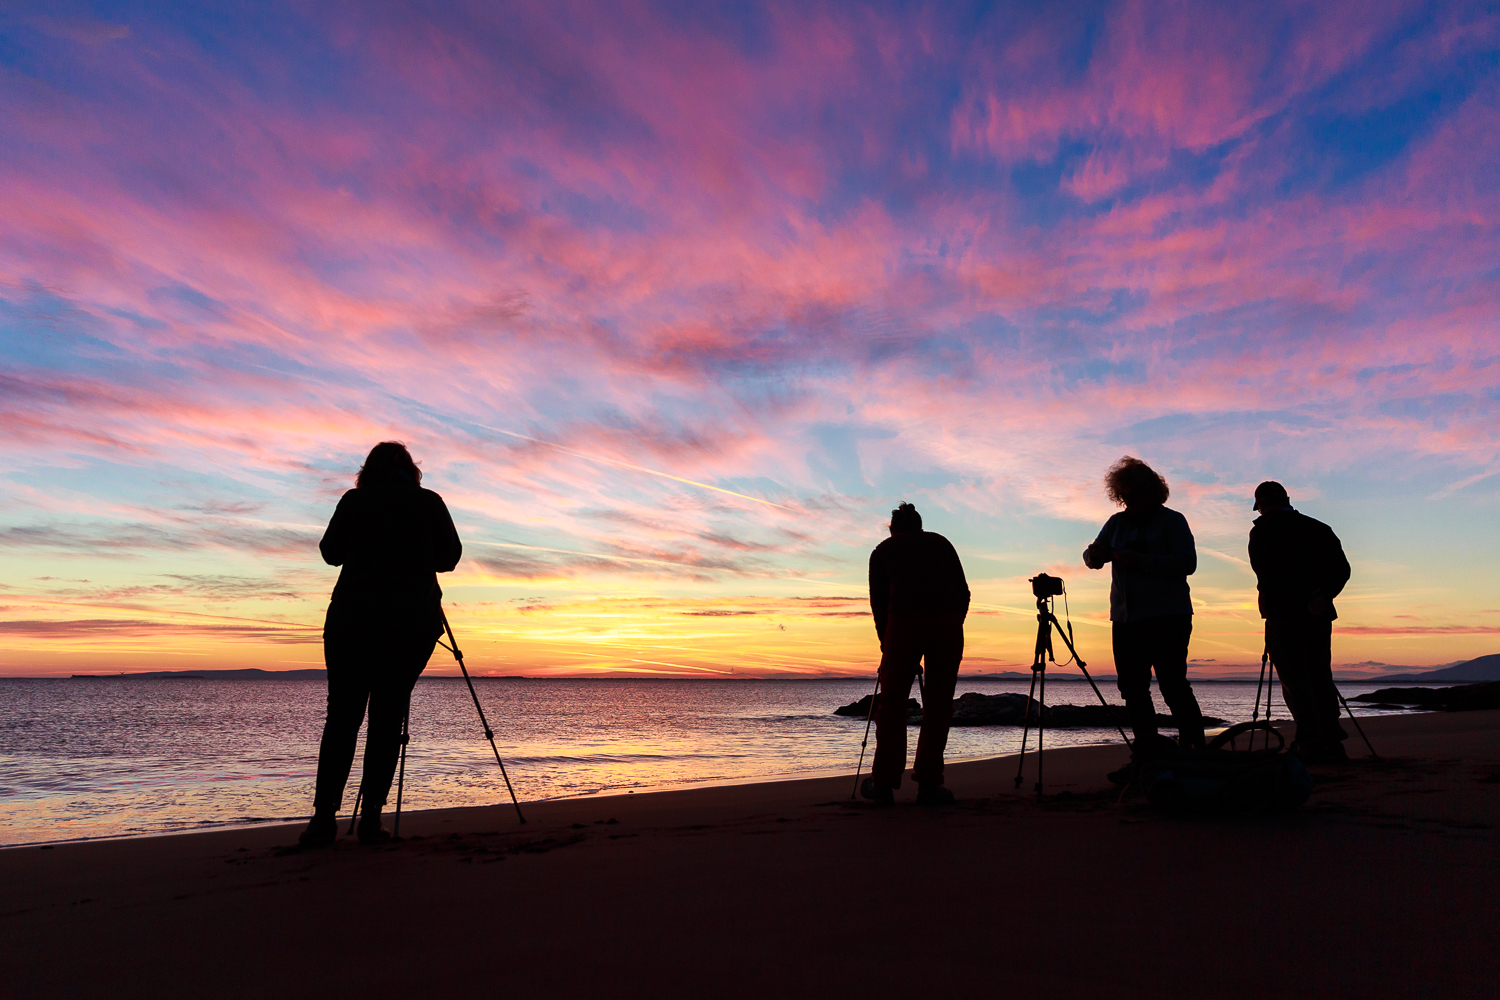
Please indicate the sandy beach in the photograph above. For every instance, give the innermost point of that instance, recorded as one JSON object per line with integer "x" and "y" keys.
{"x": 1383, "y": 885}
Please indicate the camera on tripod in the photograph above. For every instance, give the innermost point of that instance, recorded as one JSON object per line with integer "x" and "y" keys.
{"x": 1044, "y": 586}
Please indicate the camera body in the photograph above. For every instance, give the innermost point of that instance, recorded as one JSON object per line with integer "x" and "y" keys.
{"x": 1044, "y": 586}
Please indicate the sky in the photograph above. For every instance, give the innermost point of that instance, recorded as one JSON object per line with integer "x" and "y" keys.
{"x": 673, "y": 302}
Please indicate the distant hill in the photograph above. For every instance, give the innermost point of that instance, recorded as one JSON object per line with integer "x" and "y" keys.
{"x": 1481, "y": 668}
{"x": 246, "y": 674}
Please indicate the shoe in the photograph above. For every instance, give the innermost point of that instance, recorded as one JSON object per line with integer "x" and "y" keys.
{"x": 373, "y": 834}
{"x": 322, "y": 831}
{"x": 370, "y": 831}
{"x": 1126, "y": 774}
{"x": 881, "y": 795}
{"x": 933, "y": 795}
{"x": 1320, "y": 753}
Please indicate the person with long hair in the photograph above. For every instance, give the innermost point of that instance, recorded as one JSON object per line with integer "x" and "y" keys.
{"x": 1150, "y": 606}
{"x": 392, "y": 538}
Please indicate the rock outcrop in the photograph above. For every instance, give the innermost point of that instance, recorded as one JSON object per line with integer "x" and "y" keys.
{"x": 1010, "y": 709}
{"x": 1464, "y": 698}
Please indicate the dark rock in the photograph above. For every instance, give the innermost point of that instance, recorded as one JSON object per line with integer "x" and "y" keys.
{"x": 861, "y": 708}
{"x": 975, "y": 709}
{"x": 1010, "y": 709}
{"x": 1464, "y": 698}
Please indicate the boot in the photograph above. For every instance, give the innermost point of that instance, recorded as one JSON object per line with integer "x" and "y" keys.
{"x": 370, "y": 830}
{"x": 881, "y": 795}
{"x": 321, "y": 831}
{"x": 930, "y": 794}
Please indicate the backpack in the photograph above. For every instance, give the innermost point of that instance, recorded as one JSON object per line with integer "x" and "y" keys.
{"x": 1217, "y": 779}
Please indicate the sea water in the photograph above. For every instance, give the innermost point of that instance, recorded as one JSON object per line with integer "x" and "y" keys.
{"x": 108, "y": 757}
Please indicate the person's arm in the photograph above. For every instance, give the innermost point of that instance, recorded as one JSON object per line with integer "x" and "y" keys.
{"x": 880, "y": 593}
{"x": 1181, "y": 557}
{"x": 335, "y": 543}
{"x": 1338, "y": 567}
{"x": 1332, "y": 572}
{"x": 446, "y": 549}
{"x": 1099, "y": 551}
{"x": 956, "y": 568}
{"x": 1258, "y": 565}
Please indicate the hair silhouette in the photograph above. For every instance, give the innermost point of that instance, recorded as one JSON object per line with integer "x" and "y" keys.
{"x": 1130, "y": 479}
{"x": 387, "y": 461}
{"x": 1270, "y": 492}
{"x": 906, "y": 518}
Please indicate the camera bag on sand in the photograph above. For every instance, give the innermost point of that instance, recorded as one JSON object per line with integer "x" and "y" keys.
{"x": 1217, "y": 779}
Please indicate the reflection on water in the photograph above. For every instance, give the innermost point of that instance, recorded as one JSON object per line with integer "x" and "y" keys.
{"x": 110, "y": 757}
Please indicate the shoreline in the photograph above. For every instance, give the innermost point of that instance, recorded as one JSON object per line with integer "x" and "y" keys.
{"x": 1382, "y": 885}
{"x": 819, "y": 774}
{"x": 1107, "y": 738}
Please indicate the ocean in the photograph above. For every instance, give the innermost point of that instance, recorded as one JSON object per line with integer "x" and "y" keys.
{"x": 112, "y": 757}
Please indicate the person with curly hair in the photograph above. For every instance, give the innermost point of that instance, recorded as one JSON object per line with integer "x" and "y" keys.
{"x": 1150, "y": 606}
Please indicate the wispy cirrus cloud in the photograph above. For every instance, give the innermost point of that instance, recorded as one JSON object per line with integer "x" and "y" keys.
{"x": 684, "y": 300}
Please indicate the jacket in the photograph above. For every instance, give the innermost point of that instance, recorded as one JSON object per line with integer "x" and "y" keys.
{"x": 1158, "y": 586}
{"x": 392, "y": 539}
{"x": 1296, "y": 558}
{"x": 916, "y": 571}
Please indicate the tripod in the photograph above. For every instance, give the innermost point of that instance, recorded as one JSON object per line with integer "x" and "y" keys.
{"x": 874, "y": 697}
{"x": 452, "y": 646}
{"x": 1045, "y": 622}
{"x": 1265, "y": 659}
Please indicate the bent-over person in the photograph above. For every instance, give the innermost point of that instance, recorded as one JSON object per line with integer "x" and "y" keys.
{"x": 919, "y": 598}
{"x": 1150, "y": 606}
{"x": 392, "y": 538}
{"x": 1300, "y": 568}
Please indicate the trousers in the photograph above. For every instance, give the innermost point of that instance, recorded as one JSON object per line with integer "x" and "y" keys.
{"x": 934, "y": 642}
{"x": 1159, "y": 643}
{"x": 378, "y": 670}
{"x": 1301, "y": 647}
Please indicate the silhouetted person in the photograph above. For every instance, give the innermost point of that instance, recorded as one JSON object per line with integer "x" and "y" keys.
{"x": 1299, "y": 569}
{"x": 1150, "y": 605}
{"x": 919, "y": 598}
{"x": 392, "y": 538}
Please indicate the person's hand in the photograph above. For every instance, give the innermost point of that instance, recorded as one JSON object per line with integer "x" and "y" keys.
{"x": 1126, "y": 558}
{"x": 1093, "y": 557}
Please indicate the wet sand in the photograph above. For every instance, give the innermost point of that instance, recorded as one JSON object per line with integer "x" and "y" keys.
{"x": 1387, "y": 884}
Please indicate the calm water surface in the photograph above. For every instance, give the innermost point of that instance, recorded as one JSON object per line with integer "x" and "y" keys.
{"x": 117, "y": 757}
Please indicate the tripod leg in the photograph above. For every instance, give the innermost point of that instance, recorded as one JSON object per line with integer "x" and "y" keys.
{"x": 1270, "y": 689}
{"x": 1038, "y": 660}
{"x": 1357, "y": 725}
{"x": 874, "y": 695}
{"x": 1025, "y": 729}
{"x": 1041, "y": 728}
{"x": 489, "y": 733}
{"x": 401, "y": 773}
{"x": 1255, "y": 715}
{"x": 1089, "y": 677}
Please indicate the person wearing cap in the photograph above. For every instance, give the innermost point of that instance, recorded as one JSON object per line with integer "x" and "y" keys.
{"x": 1299, "y": 569}
{"x": 1150, "y": 606}
{"x": 919, "y": 598}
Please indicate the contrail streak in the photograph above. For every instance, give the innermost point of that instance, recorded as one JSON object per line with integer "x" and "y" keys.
{"x": 627, "y": 465}
{"x": 680, "y": 666}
